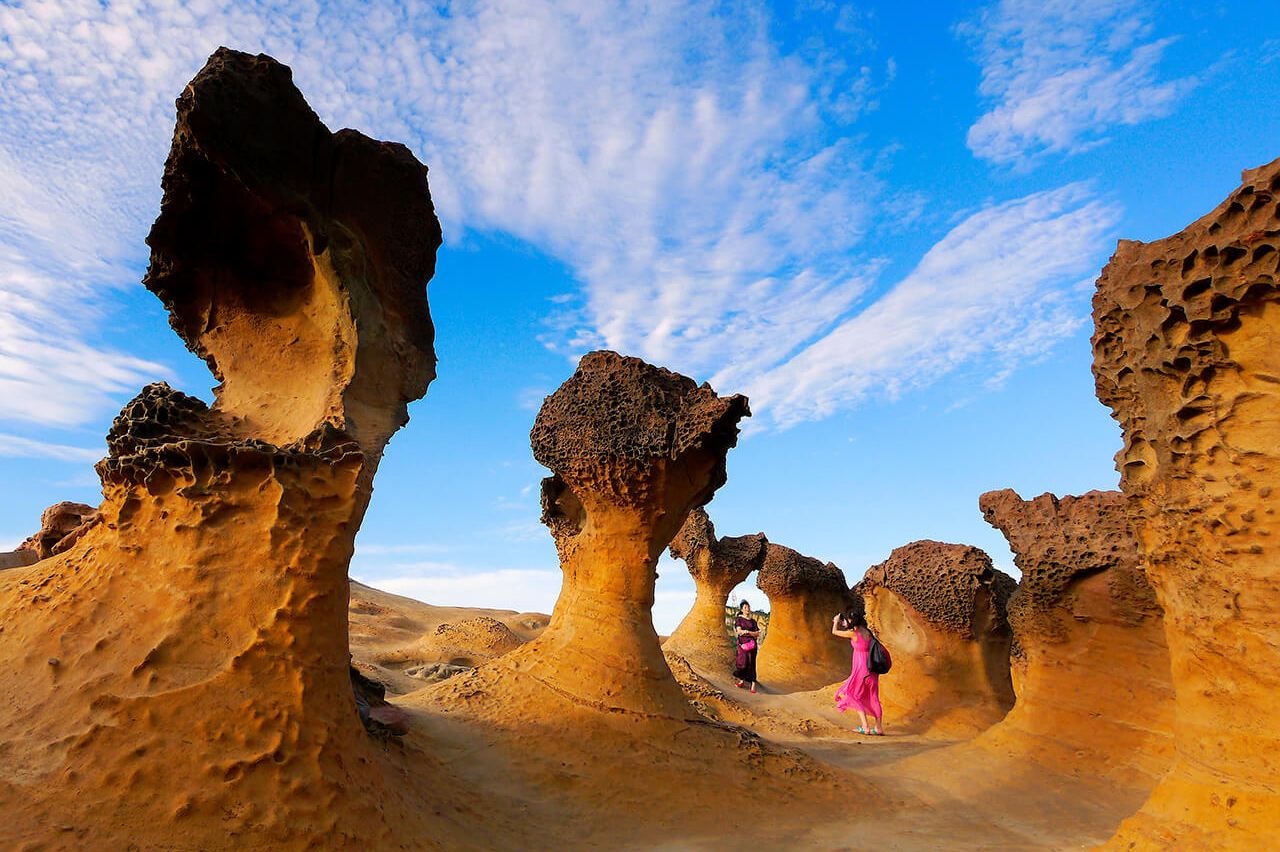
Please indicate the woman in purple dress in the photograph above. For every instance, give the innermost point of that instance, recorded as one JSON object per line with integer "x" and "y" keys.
{"x": 748, "y": 633}
{"x": 861, "y": 692}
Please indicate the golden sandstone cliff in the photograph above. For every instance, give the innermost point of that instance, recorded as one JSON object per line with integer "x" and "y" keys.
{"x": 717, "y": 565}
{"x": 941, "y": 611}
{"x": 178, "y": 677}
{"x": 1187, "y": 356}
{"x": 1091, "y": 666}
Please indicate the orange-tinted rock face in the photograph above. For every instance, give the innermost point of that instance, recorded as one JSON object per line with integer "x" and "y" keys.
{"x": 634, "y": 448}
{"x": 799, "y": 652}
{"x": 1091, "y": 666}
{"x": 60, "y": 525}
{"x": 717, "y": 565}
{"x": 1187, "y": 356}
{"x": 940, "y": 609}
{"x": 184, "y": 679}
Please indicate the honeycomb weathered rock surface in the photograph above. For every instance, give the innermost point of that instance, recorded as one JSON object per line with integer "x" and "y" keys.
{"x": 1186, "y": 354}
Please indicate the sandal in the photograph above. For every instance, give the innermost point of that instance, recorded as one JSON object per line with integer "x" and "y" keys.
{"x": 753, "y": 687}
{"x": 863, "y": 731}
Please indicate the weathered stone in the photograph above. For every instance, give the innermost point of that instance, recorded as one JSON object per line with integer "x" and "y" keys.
{"x": 941, "y": 610}
{"x": 799, "y": 652}
{"x": 634, "y": 447}
{"x": 1186, "y": 354}
{"x": 1088, "y": 636}
{"x": 717, "y": 565}
{"x": 203, "y": 698}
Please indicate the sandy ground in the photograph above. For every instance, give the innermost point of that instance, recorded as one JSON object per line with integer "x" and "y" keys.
{"x": 814, "y": 783}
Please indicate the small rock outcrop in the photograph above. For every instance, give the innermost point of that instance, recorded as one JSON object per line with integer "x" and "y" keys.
{"x": 717, "y": 565}
{"x": 634, "y": 448}
{"x": 201, "y": 697}
{"x": 799, "y": 653}
{"x": 1186, "y": 354}
{"x": 1088, "y": 635}
{"x": 941, "y": 610}
{"x": 60, "y": 525}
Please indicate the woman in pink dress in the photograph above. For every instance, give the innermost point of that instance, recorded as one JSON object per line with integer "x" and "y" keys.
{"x": 861, "y": 691}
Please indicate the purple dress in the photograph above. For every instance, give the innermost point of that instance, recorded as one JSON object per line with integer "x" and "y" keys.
{"x": 744, "y": 665}
{"x": 862, "y": 690}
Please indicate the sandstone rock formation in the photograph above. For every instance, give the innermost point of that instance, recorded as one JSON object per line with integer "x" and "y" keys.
{"x": 60, "y": 525}
{"x": 717, "y": 565}
{"x": 799, "y": 652}
{"x": 184, "y": 678}
{"x": 940, "y": 609}
{"x": 1187, "y": 355}
{"x": 634, "y": 447}
{"x": 1091, "y": 666}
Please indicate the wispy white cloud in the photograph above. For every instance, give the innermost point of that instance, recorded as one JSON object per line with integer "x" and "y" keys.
{"x": 19, "y": 447}
{"x": 1059, "y": 76}
{"x": 707, "y": 191}
{"x": 684, "y": 169}
{"x": 994, "y": 292}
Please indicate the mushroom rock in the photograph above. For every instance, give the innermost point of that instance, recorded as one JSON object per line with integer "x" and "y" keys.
{"x": 633, "y": 448}
{"x": 940, "y": 609}
{"x": 717, "y": 565}
{"x": 1186, "y": 354}
{"x": 60, "y": 525}
{"x": 1091, "y": 666}
{"x": 183, "y": 677}
{"x": 798, "y": 652}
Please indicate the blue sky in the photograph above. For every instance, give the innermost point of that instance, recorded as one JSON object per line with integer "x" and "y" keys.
{"x": 881, "y": 221}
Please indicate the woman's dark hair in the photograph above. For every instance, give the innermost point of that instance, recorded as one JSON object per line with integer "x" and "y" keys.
{"x": 851, "y": 618}
{"x": 741, "y": 605}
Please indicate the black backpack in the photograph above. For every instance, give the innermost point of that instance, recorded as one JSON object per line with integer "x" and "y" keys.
{"x": 878, "y": 659}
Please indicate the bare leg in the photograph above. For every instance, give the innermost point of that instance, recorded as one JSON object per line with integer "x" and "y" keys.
{"x": 879, "y": 729}
{"x": 863, "y": 718}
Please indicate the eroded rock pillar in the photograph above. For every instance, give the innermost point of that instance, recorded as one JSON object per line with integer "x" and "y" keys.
{"x": 717, "y": 565}
{"x": 1186, "y": 351}
{"x": 1090, "y": 663}
{"x": 940, "y": 610}
{"x": 634, "y": 447}
{"x": 799, "y": 652}
{"x": 185, "y": 683}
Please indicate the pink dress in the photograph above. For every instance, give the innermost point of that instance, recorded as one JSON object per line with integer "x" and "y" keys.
{"x": 862, "y": 690}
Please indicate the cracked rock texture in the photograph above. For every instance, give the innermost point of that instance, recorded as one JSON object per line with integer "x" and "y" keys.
{"x": 633, "y": 448}
{"x": 1088, "y": 637}
{"x": 717, "y": 565}
{"x": 940, "y": 609}
{"x": 183, "y": 681}
{"x": 1186, "y": 354}
{"x": 799, "y": 653}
